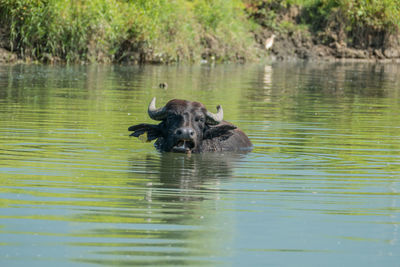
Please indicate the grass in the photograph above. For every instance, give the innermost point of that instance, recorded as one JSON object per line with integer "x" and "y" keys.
{"x": 115, "y": 30}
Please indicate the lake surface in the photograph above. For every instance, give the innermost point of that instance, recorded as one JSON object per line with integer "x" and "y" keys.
{"x": 320, "y": 188}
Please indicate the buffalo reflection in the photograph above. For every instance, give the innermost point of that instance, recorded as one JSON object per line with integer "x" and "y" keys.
{"x": 193, "y": 177}
{"x": 189, "y": 177}
{"x": 182, "y": 206}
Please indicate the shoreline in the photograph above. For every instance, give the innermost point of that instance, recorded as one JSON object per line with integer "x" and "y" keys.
{"x": 7, "y": 57}
{"x": 286, "y": 47}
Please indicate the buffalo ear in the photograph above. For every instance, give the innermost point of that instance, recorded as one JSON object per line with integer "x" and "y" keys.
{"x": 153, "y": 131}
{"x": 221, "y": 130}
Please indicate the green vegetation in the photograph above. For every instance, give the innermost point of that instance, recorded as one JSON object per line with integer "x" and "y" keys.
{"x": 117, "y": 30}
{"x": 360, "y": 23}
{"x": 168, "y": 31}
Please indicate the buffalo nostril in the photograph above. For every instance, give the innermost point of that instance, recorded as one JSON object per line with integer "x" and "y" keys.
{"x": 185, "y": 133}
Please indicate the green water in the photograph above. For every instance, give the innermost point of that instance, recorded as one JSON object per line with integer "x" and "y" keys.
{"x": 320, "y": 188}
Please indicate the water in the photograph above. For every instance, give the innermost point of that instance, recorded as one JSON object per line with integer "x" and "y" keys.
{"x": 320, "y": 188}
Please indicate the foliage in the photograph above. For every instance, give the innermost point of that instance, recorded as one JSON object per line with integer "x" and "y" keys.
{"x": 362, "y": 23}
{"x": 71, "y": 30}
{"x": 377, "y": 14}
{"x": 111, "y": 30}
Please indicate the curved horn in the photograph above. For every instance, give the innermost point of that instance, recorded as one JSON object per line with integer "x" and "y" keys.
{"x": 157, "y": 114}
{"x": 215, "y": 118}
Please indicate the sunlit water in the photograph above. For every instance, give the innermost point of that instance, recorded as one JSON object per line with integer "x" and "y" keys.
{"x": 320, "y": 188}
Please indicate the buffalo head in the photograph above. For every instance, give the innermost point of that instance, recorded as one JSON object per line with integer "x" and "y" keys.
{"x": 187, "y": 127}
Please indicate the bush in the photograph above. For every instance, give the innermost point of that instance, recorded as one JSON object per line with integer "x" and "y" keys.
{"x": 364, "y": 23}
{"x": 360, "y": 23}
{"x": 70, "y": 30}
{"x": 112, "y": 30}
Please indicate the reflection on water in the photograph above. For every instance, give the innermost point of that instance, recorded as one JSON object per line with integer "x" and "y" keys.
{"x": 321, "y": 186}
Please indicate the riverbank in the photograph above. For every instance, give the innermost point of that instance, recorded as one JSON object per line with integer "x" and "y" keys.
{"x": 330, "y": 30}
{"x": 155, "y": 31}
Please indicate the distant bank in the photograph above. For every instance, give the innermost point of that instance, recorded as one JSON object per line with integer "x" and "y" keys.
{"x": 161, "y": 31}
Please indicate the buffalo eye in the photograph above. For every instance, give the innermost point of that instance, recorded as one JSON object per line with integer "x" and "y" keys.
{"x": 170, "y": 118}
{"x": 173, "y": 118}
{"x": 199, "y": 119}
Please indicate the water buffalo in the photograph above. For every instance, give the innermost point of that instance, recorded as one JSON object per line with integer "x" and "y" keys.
{"x": 188, "y": 127}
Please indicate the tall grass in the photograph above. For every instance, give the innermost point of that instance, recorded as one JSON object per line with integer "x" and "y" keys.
{"x": 113, "y": 30}
{"x": 69, "y": 30}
